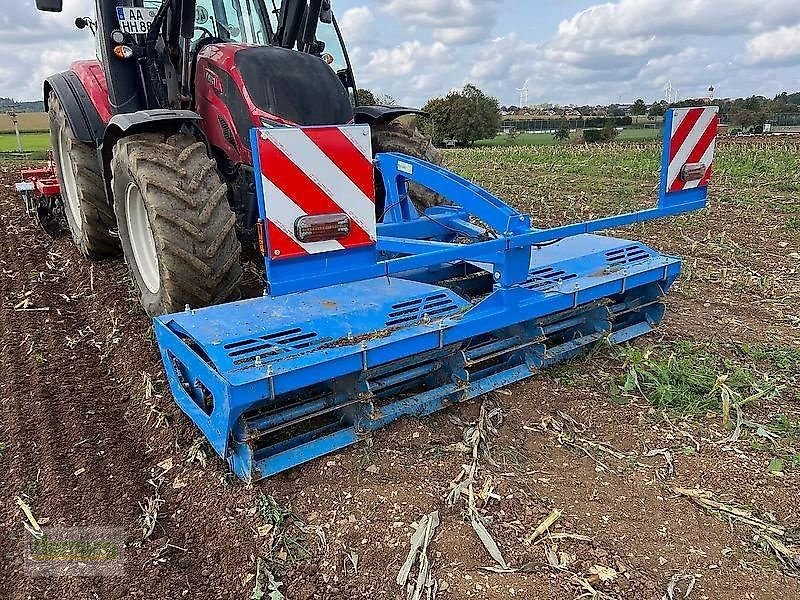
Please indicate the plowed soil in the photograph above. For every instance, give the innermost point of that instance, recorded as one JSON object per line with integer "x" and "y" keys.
{"x": 91, "y": 436}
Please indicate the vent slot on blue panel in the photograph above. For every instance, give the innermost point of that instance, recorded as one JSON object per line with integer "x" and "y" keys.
{"x": 433, "y": 306}
{"x": 629, "y": 254}
{"x": 547, "y": 278}
{"x": 245, "y": 351}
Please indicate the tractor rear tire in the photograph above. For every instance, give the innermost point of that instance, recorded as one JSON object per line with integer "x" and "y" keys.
{"x": 398, "y": 137}
{"x": 89, "y": 217}
{"x": 175, "y": 223}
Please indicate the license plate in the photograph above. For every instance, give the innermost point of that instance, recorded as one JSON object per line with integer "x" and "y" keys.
{"x": 135, "y": 20}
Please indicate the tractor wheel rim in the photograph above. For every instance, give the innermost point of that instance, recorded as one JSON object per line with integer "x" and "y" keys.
{"x": 141, "y": 236}
{"x": 70, "y": 184}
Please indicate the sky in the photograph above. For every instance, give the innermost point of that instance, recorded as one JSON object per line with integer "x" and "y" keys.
{"x": 568, "y": 51}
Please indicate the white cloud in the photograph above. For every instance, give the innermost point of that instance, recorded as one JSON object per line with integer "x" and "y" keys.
{"x": 781, "y": 46}
{"x": 439, "y": 13}
{"x": 632, "y": 18}
{"x": 454, "y": 22}
{"x": 632, "y": 48}
{"x": 629, "y": 33}
{"x": 407, "y": 57}
{"x": 503, "y": 58}
{"x": 412, "y": 70}
{"x": 356, "y": 24}
{"x": 34, "y": 45}
{"x": 461, "y": 35}
{"x": 417, "y": 48}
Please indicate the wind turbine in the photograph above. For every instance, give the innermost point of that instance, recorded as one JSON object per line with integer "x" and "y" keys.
{"x": 523, "y": 94}
{"x": 670, "y": 93}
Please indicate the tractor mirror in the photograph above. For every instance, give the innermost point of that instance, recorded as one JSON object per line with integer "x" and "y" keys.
{"x": 346, "y": 77}
{"x": 49, "y": 5}
{"x": 325, "y": 13}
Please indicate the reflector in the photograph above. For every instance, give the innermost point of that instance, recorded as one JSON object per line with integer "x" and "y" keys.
{"x": 318, "y": 228}
{"x": 123, "y": 51}
{"x": 693, "y": 171}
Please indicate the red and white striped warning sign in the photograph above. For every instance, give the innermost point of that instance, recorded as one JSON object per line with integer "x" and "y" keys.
{"x": 317, "y": 171}
{"x": 691, "y": 147}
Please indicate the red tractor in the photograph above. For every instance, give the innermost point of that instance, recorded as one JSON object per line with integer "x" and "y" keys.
{"x": 152, "y": 141}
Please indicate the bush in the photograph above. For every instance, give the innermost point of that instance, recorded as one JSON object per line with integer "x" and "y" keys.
{"x": 464, "y": 116}
{"x": 592, "y": 136}
{"x": 562, "y": 133}
{"x": 609, "y": 131}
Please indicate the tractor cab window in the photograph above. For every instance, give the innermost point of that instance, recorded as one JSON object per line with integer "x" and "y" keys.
{"x": 333, "y": 53}
{"x": 231, "y": 20}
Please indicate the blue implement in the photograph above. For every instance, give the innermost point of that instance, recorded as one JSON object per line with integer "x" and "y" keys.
{"x": 348, "y": 338}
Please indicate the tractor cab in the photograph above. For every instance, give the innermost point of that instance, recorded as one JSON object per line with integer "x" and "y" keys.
{"x": 278, "y": 84}
{"x": 233, "y": 21}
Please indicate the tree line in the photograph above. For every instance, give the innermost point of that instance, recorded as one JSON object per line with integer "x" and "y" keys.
{"x": 464, "y": 116}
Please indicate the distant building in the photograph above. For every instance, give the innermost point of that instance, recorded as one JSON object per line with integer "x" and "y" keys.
{"x": 784, "y": 123}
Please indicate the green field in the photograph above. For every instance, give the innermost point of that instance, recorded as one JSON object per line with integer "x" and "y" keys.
{"x": 546, "y": 139}
{"x": 31, "y": 142}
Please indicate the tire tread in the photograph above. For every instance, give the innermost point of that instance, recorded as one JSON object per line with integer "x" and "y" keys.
{"x": 191, "y": 219}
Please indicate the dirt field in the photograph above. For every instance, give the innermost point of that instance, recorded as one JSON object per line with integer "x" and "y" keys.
{"x": 90, "y": 435}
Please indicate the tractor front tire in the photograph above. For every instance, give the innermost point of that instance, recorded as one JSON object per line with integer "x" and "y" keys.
{"x": 175, "y": 223}
{"x": 398, "y": 137}
{"x": 89, "y": 217}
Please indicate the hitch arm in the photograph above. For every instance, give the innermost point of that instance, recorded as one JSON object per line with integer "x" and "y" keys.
{"x": 397, "y": 169}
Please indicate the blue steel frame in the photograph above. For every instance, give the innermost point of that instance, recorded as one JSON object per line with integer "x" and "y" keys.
{"x": 403, "y": 232}
{"x": 365, "y": 325}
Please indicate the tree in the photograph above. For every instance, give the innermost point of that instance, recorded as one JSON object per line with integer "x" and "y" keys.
{"x": 615, "y": 111}
{"x": 753, "y": 103}
{"x": 639, "y": 107}
{"x": 562, "y": 133}
{"x": 366, "y": 98}
{"x": 464, "y": 116}
{"x": 781, "y": 104}
{"x": 386, "y": 100}
{"x": 369, "y": 98}
{"x": 592, "y": 136}
{"x": 749, "y": 119}
{"x": 512, "y": 137}
{"x": 657, "y": 110}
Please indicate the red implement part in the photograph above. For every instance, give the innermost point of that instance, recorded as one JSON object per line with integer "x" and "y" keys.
{"x": 41, "y": 192}
{"x": 44, "y": 179}
{"x": 48, "y": 187}
{"x": 36, "y": 174}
